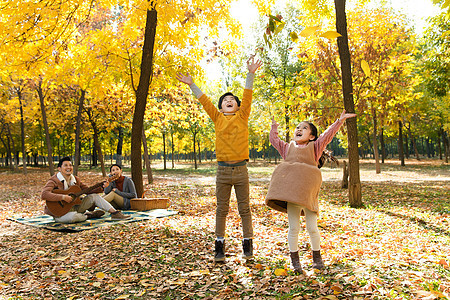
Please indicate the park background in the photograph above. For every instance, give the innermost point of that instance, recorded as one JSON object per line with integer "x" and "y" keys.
{"x": 74, "y": 73}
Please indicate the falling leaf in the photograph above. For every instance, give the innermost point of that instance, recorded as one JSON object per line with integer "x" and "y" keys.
{"x": 365, "y": 67}
{"x": 258, "y": 266}
{"x": 279, "y": 28}
{"x": 97, "y": 284}
{"x": 330, "y": 35}
{"x": 294, "y": 36}
{"x": 308, "y": 31}
{"x": 280, "y": 272}
{"x": 100, "y": 275}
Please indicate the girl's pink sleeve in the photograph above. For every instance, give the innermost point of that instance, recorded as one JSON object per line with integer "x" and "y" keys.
{"x": 325, "y": 138}
{"x": 281, "y": 146}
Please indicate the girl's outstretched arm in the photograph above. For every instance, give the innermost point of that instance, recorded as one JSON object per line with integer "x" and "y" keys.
{"x": 344, "y": 116}
{"x": 281, "y": 146}
{"x": 325, "y": 138}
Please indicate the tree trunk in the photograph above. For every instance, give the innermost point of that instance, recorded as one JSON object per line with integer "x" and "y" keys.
{"x": 446, "y": 146}
{"x": 47, "y": 133}
{"x": 413, "y": 140}
{"x": 96, "y": 141}
{"x": 199, "y": 151}
{"x": 347, "y": 89}
{"x": 173, "y": 149}
{"x": 400, "y": 144}
{"x": 94, "y": 162}
{"x": 119, "y": 147}
{"x": 141, "y": 99}
{"x": 7, "y": 145}
{"x": 383, "y": 146}
{"x": 406, "y": 147}
{"x": 148, "y": 166}
{"x": 344, "y": 183}
{"x": 375, "y": 143}
{"x": 440, "y": 131}
{"x": 194, "y": 134}
{"x": 14, "y": 161}
{"x": 77, "y": 133}
{"x": 22, "y": 133}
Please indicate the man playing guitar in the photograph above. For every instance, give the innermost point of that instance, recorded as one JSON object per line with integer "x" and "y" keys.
{"x": 70, "y": 208}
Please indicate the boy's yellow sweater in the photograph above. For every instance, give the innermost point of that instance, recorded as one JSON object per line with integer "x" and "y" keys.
{"x": 231, "y": 130}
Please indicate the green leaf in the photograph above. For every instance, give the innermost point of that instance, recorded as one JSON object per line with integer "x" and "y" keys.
{"x": 271, "y": 25}
{"x": 294, "y": 36}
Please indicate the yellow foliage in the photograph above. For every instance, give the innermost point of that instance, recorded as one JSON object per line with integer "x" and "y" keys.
{"x": 331, "y": 35}
{"x": 309, "y": 31}
{"x": 281, "y": 272}
{"x": 365, "y": 67}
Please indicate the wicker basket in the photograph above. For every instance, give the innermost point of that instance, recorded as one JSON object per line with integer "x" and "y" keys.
{"x": 149, "y": 203}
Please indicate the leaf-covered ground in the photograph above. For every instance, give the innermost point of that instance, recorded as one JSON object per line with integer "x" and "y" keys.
{"x": 397, "y": 247}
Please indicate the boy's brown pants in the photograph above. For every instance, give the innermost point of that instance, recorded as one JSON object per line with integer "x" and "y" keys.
{"x": 226, "y": 178}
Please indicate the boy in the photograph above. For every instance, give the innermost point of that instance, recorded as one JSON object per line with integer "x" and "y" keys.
{"x": 231, "y": 126}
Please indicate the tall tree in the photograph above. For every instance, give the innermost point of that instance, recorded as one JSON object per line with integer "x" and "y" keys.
{"x": 141, "y": 98}
{"x": 354, "y": 186}
{"x": 78, "y": 132}
{"x": 39, "y": 90}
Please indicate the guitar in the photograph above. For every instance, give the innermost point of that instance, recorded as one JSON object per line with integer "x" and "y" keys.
{"x": 60, "y": 208}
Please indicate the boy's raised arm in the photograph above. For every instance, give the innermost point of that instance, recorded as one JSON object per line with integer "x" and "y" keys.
{"x": 187, "y": 79}
{"x": 252, "y": 66}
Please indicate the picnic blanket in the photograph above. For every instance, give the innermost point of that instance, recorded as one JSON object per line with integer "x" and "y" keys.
{"x": 47, "y": 222}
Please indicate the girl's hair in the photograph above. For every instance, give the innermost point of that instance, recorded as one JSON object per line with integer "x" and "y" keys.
{"x": 326, "y": 154}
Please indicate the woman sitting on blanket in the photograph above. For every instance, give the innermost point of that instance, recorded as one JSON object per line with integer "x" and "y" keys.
{"x": 121, "y": 191}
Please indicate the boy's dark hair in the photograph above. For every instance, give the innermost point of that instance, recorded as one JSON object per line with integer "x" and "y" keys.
{"x": 326, "y": 154}
{"x": 228, "y": 94}
{"x": 116, "y": 166}
{"x": 65, "y": 158}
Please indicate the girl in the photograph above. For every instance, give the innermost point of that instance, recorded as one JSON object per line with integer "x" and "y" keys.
{"x": 295, "y": 183}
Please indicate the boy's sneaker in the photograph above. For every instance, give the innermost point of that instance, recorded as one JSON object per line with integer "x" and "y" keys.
{"x": 247, "y": 246}
{"x": 219, "y": 251}
{"x": 118, "y": 215}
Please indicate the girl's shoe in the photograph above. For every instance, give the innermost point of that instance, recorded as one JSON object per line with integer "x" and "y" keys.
{"x": 295, "y": 262}
{"x": 317, "y": 260}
